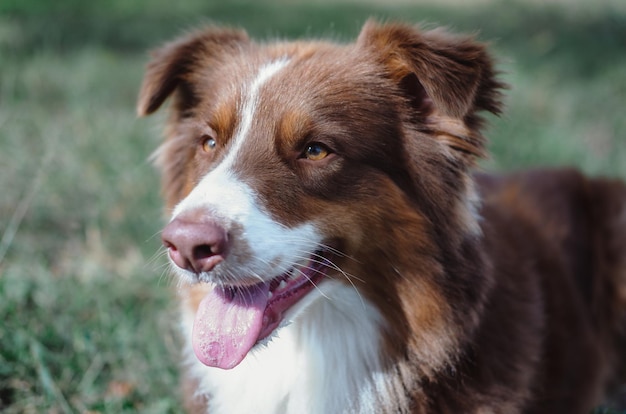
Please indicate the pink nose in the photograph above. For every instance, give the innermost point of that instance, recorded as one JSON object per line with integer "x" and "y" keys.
{"x": 195, "y": 245}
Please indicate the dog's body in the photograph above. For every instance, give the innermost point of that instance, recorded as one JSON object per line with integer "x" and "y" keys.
{"x": 344, "y": 257}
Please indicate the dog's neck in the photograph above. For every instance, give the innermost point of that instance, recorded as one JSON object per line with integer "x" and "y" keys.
{"x": 327, "y": 361}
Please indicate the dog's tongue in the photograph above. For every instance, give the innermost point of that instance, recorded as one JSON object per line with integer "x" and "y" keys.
{"x": 228, "y": 324}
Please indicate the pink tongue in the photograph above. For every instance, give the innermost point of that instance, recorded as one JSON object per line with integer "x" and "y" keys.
{"x": 228, "y": 324}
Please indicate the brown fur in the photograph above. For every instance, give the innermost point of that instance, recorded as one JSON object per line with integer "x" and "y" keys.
{"x": 520, "y": 311}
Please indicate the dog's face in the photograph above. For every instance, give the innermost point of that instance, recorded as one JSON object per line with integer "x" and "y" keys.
{"x": 291, "y": 167}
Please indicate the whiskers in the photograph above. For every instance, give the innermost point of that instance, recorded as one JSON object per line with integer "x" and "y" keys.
{"x": 160, "y": 264}
{"x": 322, "y": 256}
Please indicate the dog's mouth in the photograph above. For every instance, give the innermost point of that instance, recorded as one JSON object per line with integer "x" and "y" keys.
{"x": 231, "y": 320}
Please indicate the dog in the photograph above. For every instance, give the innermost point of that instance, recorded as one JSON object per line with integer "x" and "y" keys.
{"x": 340, "y": 252}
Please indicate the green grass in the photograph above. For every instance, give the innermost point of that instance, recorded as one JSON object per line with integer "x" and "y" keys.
{"x": 84, "y": 301}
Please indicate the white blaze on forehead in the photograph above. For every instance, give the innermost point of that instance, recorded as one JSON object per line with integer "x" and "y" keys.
{"x": 232, "y": 202}
{"x": 250, "y": 105}
{"x": 236, "y": 195}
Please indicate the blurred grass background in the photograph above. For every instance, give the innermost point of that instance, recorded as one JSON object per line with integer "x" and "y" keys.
{"x": 84, "y": 300}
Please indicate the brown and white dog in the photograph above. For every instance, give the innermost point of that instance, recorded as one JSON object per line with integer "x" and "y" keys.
{"x": 341, "y": 254}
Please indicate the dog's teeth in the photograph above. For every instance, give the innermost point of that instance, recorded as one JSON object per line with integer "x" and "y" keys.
{"x": 270, "y": 295}
{"x": 282, "y": 284}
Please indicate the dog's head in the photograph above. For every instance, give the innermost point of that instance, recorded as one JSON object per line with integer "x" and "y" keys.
{"x": 290, "y": 166}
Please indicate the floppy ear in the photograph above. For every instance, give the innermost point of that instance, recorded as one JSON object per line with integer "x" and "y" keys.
{"x": 172, "y": 64}
{"x": 447, "y": 79}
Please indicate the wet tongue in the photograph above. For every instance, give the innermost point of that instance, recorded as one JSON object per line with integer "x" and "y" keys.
{"x": 228, "y": 324}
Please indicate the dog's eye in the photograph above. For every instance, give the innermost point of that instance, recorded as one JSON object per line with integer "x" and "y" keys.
{"x": 316, "y": 152}
{"x": 208, "y": 143}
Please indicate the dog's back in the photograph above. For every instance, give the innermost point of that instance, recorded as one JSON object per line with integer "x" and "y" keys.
{"x": 571, "y": 231}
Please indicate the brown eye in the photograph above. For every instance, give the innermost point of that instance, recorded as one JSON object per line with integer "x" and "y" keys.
{"x": 316, "y": 152}
{"x": 208, "y": 143}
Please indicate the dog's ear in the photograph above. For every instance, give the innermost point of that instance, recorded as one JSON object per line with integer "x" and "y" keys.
{"x": 447, "y": 79}
{"x": 172, "y": 64}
